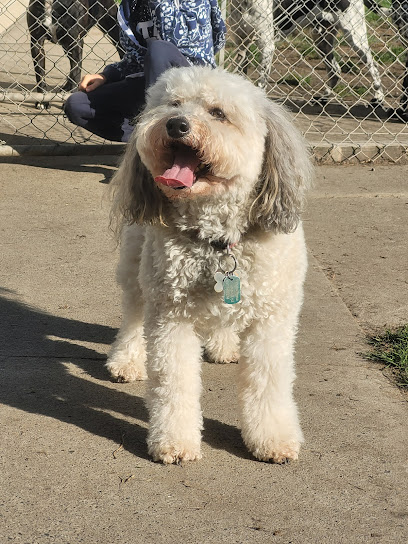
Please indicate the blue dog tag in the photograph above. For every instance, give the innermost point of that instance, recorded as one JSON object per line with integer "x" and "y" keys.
{"x": 232, "y": 289}
{"x": 228, "y": 282}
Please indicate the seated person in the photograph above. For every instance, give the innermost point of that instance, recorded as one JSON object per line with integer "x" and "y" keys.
{"x": 156, "y": 35}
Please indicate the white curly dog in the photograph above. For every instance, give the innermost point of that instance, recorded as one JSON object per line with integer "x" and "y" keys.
{"x": 211, "y": 184}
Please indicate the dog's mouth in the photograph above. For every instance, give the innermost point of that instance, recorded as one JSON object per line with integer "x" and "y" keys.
{"x": 186, "y": 169}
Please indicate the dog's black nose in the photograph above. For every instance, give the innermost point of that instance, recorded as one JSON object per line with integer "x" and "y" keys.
{"x": 177, "y": 127}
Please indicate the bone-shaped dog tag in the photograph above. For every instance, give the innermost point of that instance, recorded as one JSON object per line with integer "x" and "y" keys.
{"x": 219, "y": 278}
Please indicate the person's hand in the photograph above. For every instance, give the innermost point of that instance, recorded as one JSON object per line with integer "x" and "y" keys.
{"x": 91, "y": 81}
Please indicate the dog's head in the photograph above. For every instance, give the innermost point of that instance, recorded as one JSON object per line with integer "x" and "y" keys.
{"x": 205, "y": 133}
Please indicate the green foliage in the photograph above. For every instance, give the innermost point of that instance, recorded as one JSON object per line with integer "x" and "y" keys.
{"x": 392, "y": 54}
{"x": 347, "y": 90}
{"x": 294, "y": 79}
{"x": 372, "y": 17}
{"x": 308, "y": 51}
{"x": 391, "y": 348}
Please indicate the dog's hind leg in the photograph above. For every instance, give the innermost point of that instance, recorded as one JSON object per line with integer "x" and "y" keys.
{"x": 36, "y": 21}
{"x": 324, "y": 38}
{"x": 71, "y": 22}
{"x": 174, "y": 387}
{"x": 253, "y": 23}
{"x": 126, "y": 359}
{"x": 404, "y": 96}
{"x": 73, "y": 48}
{"x": 38, "y": 33}
{"x": 270, "y": 426}
{"x": 265, "y": 32}
{"x": 222, "y": 346}
{"x": 353, "y": 24}
{"x": 109, "y": 26}
{"x": 38, "y": 55}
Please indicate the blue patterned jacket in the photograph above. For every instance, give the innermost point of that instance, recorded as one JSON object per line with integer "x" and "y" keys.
{"x": 195, "y": 27}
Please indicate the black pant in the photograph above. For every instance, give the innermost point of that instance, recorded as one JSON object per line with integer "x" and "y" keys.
{"x": 109, "y": 109}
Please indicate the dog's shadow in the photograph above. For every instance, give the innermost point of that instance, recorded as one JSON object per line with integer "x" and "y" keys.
{"x": 45, "y": 366}
{"x": 37, "y": 350}
{"x": 222, "y": 436}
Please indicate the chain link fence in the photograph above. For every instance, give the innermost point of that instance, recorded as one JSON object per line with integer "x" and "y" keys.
{"x": 338, "y": 65}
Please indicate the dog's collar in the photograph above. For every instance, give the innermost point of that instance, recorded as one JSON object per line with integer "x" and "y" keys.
{"x": 222, "y": 245}
{"x": 219, "y": 245}
{"x": 226, "y": 278}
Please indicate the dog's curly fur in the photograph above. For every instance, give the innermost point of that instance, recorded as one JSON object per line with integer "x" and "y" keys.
{"x": 250, "y": 194}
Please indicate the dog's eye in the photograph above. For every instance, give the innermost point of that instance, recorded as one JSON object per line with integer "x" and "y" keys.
{"x": 218, "y": 114}
{"x": 175, "y": 103}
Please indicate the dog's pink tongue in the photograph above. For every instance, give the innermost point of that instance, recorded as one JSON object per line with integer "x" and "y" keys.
{"x": 181, "y": 174}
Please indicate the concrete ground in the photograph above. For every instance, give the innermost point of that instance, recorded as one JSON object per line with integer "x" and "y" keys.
{"x": 74, "y": 467}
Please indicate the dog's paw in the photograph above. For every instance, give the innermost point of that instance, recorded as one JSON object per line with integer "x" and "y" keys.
{"x": 222, "y": 358}
{"x": 42, "y": 106}
{"x": 126, "y": 372}
{"x": 174, "y": 453}
{"x": 222, "y": 346}
{"x": 228, "y": 360}
{"x": 126, "y": 360}
{"x": 276, "y": 452}
{"x": 68, "y": 87}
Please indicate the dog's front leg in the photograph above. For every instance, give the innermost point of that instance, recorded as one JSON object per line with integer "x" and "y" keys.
{"x": 38, "y": 55}
{"x": 126, "y": 360}
{"x": 174, "y": 387}
{"x": 270, "y": 425}
{"x": 73, "y": 47}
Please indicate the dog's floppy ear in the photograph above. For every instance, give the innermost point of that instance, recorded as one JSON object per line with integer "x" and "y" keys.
{"x": 136, "y": 198}
{"x": 286, "y": 173}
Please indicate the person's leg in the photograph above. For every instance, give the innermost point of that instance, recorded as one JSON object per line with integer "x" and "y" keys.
{"x": 161, "y": 56}
{"x": 108, "y": 110}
